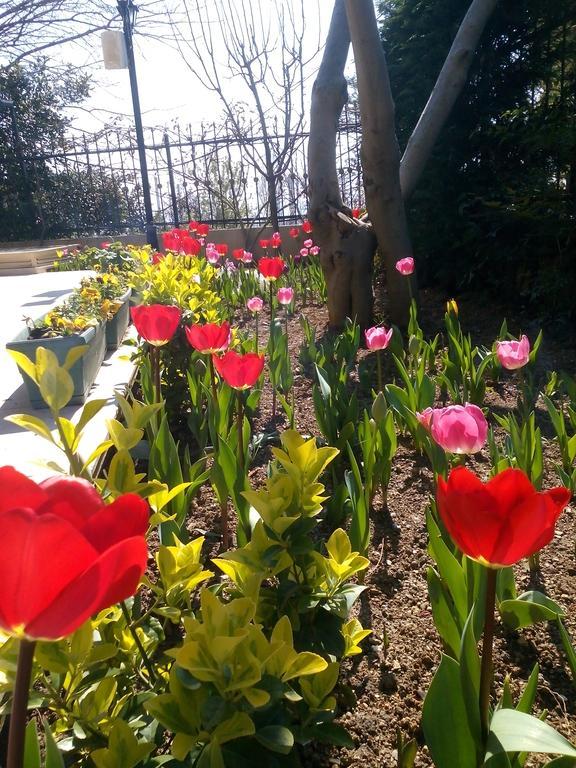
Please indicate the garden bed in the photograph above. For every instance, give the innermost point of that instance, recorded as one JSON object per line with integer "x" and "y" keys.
{"x": 384, "y": 689}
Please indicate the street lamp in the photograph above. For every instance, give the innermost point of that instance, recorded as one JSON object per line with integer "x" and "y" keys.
{"x": 128, "y": 11}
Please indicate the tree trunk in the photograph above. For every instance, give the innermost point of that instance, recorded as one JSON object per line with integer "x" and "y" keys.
{"x": 346, "y": 247}
{"x": 447, "y": 88}
{"x": 380, "y": 153}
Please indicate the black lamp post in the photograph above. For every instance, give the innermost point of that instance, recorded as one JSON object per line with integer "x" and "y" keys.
{"x": 128, "y": 11}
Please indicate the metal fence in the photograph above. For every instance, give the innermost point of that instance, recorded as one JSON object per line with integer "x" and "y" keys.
{"x": 90, "y": 183}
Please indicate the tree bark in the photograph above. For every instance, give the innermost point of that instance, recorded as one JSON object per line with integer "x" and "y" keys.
{"x": 380, "y": 153}
{"x": 346, "y": 247}
{"x": 449, "y": 85}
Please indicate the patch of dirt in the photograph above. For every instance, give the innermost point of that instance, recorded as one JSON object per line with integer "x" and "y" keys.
{"x": 389, "y": 681}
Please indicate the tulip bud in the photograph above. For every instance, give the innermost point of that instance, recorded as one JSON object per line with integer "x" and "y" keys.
{"x": 451, "y": 306}
{"x": 379, "y": 408}
{"x": 414, "y": 346}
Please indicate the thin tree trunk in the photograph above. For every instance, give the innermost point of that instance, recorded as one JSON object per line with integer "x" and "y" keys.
{"x": 380, "y": 152}
{"x": 448, "y": 87}
{"x": 347, "y": 249}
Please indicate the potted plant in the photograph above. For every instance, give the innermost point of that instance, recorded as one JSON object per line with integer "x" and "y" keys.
{"x": 80, "y": 320}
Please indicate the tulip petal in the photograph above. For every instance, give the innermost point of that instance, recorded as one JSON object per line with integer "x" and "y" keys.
{"x": 126, "y": 517}
{"x": 70, "y": 498}
{"x": 18, "y": 491}
{"x": 509, "y": 489}
{"x": 469, "y": 513}
{"x": 113, "y": 577}
{"x": 36, "y": 564}
{"x": 529, "y": 527}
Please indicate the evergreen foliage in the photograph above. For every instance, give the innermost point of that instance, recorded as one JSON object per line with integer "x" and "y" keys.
{"x": 496, "y": 205}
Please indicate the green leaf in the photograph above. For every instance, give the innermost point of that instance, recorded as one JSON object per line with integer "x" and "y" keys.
{"x": 331, "y": 733}
{"x": 513, "y": 731}
{"x": 24, "y": 362}
{"x": 444, "y": 719}
{"x": 91, "y": 408}
{"x": 470, "y": 677}
{"x": 31, "y": 746}
{"x": 444, "y": 620}
{"x": 54, "y": 758}
{"x": 526, "y": 701}
{"x": 568, "y": 649}
{"x": 74, "y": 354}
{"x": 529, "y": 608}
{"x": 449, "y": 569}
{"x": 32, "y": 424}
{"x": 276, "y": 738}
{"x": 123, "y": 749}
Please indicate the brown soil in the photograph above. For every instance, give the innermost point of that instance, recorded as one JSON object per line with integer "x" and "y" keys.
{"x": 389, "y": 681}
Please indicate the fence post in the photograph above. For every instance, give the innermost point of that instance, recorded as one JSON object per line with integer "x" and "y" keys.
{"x": 173, "y": 197}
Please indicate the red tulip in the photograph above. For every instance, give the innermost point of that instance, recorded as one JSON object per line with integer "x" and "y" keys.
{"x": 264, "y": 243}
{"x": 271, "y": 268}
{"x": 502, "y": 521}
{"x": 202, "y": 230}
{"x": 306, "y": 227}
{"x": 294, "y": 232}
{"x": 209, "y": 338}
{"x": 239, "y": 371}
{"x": 180, "y": 241}
{"x": 222, "y": 248}
{"x": 191, "y": 246}
{"x": 65, "y": 554}
{"x": 157, "y": 257}
{"x": 276, "y": 240}
{"x": 156, "y": 323}
{"x": 193, "y": 226}
{"x": 238, "y": 254}
{"x": 356, "y": 212}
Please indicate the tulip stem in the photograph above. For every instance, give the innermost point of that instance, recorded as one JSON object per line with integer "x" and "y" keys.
{"x": 240, "y": 425}
{"x": 138, "y": 642}
{"x": 155, "y": 368}
{"x": 17, "y": 732}
{"x": 272, "y": 346}
{"x": 224, "y": 524}
{"x": 379, "y": 367}
{"x": 486, "y": 670}
{"x": 213, "y": 382}
{"x": 257, "y": 333}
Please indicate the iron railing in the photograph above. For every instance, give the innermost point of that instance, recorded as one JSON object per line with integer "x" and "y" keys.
{"x": 89, "y": 184}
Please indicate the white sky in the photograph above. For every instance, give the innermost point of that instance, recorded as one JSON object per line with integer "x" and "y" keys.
{"x": 168, "y": 90}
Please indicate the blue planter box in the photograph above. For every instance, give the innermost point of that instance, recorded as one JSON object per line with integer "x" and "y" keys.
{"x": 116, "y": 327}
{"x": 84, "y": 370}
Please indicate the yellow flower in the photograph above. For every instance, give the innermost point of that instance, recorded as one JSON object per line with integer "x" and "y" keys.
{"x": 451, "y": 306}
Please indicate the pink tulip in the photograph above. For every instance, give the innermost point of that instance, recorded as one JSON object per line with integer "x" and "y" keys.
{"x": 255, "y": 304}
{"x": 308, "y": 243}
{"x": 247, "y": 257}
{"x": 405, "y": 266}
{"x": 425, "y": 417}
{"x": 304, "y": 252}
{"x": 285, "y": 296}
{"x": 212, "y": 257}
{"x": 377, "y": 337}
{"x": 457, "y": 428}
{"x": 513, "y": 354}
{"x": 315, "y": 250}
